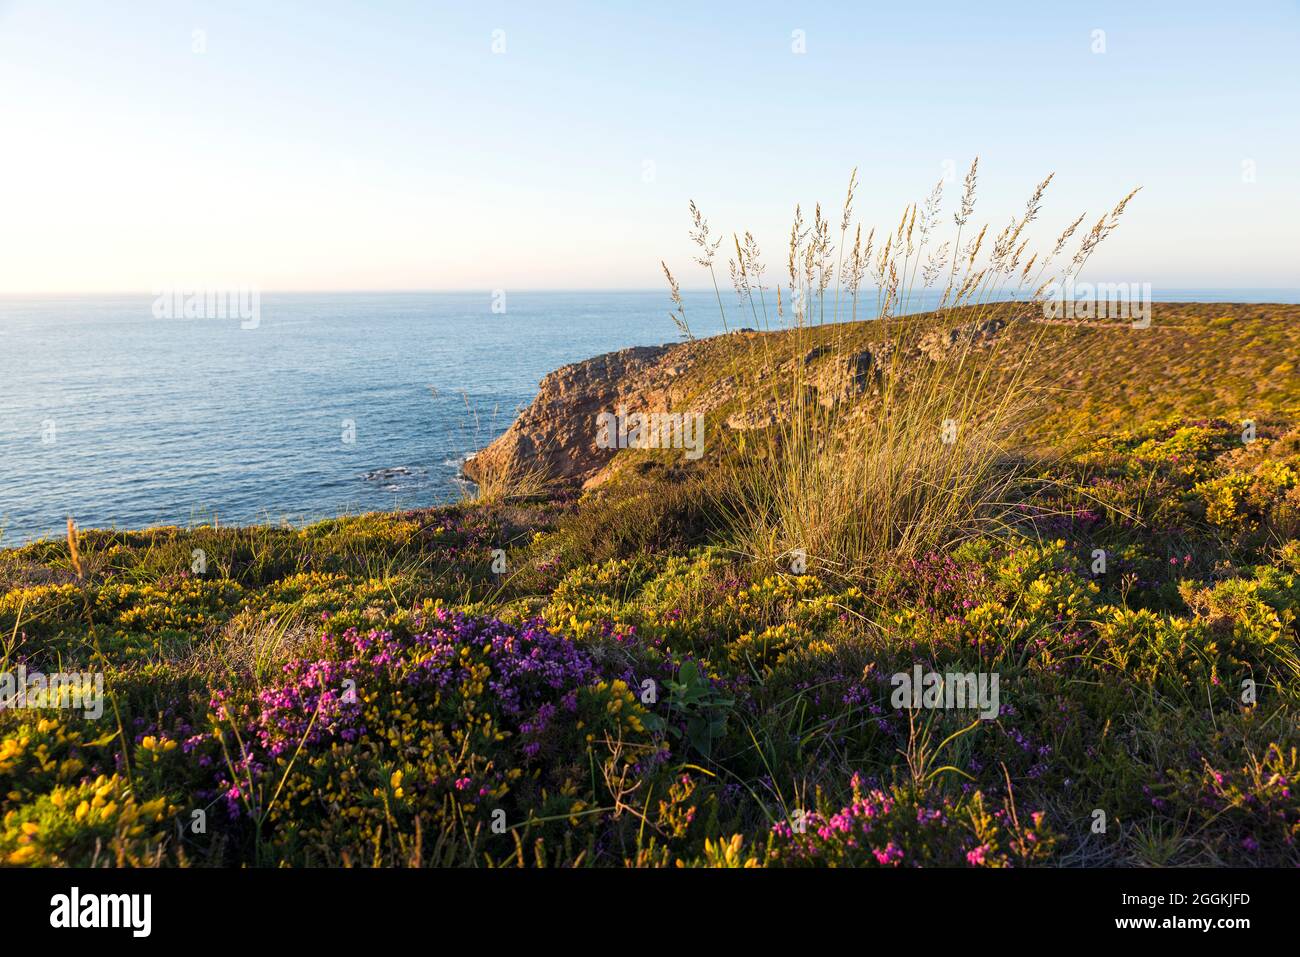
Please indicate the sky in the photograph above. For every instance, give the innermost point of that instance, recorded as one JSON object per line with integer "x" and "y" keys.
{"x": 332, "y": 145}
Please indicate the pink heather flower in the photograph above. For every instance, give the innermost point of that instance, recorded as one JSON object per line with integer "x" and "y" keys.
{"x": 976, "y": 857}
{"x": 462, "y": 784}
{"x": 892, "y": 854}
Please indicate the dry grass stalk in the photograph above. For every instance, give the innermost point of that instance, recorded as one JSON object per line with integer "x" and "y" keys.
{"x": 73, "y": 553}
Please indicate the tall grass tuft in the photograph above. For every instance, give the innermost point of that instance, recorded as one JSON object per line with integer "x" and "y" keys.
{"x": 505, "y": 481}
{"x": 910, "y": 444}
{"x": 502, "y": 479}
{"x": 928, "y": 464}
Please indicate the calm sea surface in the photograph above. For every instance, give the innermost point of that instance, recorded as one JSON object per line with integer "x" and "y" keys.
{"x": 123, "y": 419}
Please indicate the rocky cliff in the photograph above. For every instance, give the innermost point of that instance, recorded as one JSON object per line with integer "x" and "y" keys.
{"x": 556, "y": 435}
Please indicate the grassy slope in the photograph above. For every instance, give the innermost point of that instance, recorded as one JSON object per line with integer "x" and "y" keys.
{"x": 1195, "y": 359}
{"x": 680, "y": 706}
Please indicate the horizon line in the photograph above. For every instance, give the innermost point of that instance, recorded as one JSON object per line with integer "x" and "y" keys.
{"x": 485, "y": 290}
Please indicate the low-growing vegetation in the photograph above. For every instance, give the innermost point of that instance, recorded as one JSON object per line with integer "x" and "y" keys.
{"x": 370, "y": 691}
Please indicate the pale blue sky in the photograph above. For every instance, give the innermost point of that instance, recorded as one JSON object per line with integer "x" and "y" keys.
{"x": 377, "y": 145}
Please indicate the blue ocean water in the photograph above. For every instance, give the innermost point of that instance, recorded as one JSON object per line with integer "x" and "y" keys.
{"x": 122, "y": 419}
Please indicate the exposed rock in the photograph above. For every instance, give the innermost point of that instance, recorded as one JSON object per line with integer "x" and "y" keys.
{"x": 942, "y": 344}
{"x": 556, "y": 435}
{"x": 844, "y": 377}
{"x": 756, "y": 418}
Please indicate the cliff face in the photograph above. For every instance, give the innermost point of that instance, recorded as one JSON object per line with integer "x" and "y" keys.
{"x": 556, "y": 435}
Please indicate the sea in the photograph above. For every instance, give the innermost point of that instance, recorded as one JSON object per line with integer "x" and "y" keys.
{"x": 121, "y": 412}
